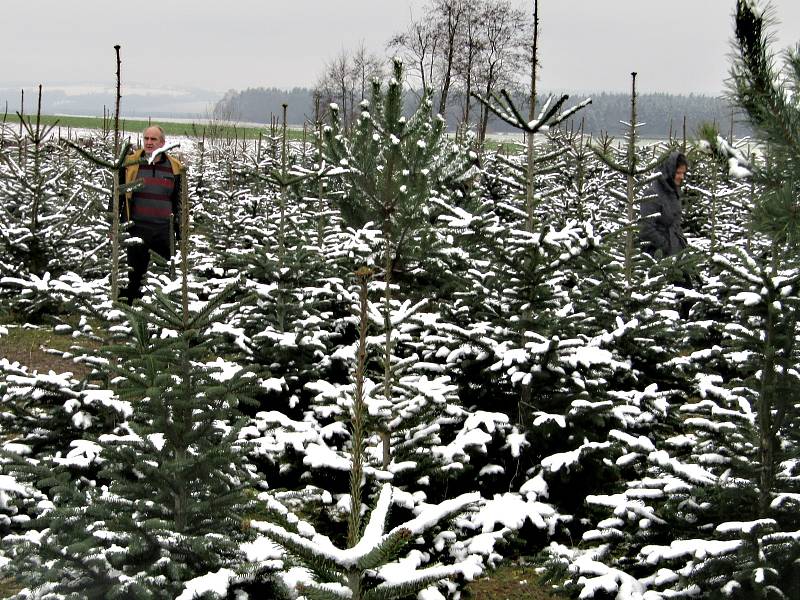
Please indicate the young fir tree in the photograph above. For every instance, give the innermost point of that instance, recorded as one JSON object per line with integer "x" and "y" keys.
{"x": 763, "y": 334}
{"x": 366, "y": 568}
{"x": 691, "y": 517}
{"x": 632, "y": 167}
{"x": 719, "y": 190}
{"x": 46, "y": 215}
{"x": 580, "y": 178}
{"x": 512, "y": 326}
{"x": 172, "y": 490}
{"x": 265, "y": 230}
{"x": 32, "y": 190}
{"x": 391, "y": 164}
{"x": 112, "y": 167}
{"x": 49, "y": 422}
{"x": 548, "y": 117}
{"x": 767, "y": 95}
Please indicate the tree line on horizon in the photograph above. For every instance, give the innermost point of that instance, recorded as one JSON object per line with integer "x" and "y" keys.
{"x": 662, "y": 113}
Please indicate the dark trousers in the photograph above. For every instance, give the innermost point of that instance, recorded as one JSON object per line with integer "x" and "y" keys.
{"x": 155, "y": 237}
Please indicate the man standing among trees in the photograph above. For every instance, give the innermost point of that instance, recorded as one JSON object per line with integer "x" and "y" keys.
{"x": 661, "y": 229}
{"x": 152, "y": 208}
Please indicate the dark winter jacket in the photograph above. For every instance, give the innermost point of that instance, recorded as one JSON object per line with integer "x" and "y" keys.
{"x": 660, "y": 225}
{"x": 159, "y": 199}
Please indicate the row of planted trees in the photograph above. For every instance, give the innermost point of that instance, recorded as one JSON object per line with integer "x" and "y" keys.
{"x": 502, "y": 337}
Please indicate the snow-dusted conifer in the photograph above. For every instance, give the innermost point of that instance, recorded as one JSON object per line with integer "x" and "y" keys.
{"x": 113, "y": 166}
{"x": 716, "y": 196}
{"x": 172, "y": 492}
{"x": 391, "y": 163}
{"x": 633, "y": 168}
{"x": 368, "y": 569}
{"x": 769, "y": 96}
{"x": 46, "y": 215}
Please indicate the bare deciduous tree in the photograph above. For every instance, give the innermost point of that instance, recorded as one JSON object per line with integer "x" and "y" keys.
{"x": 470, "y": 47}
{"x": 345, "y": 80}
{"x": 461, "y": 46}
{"x": 417, "y": 48}
{"x": 447, "y": 17}
{"x": 502, "y": 54}
{"x": 366, "y": 67}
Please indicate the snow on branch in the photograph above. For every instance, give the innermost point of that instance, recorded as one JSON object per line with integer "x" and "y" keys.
{"x": 162, "y": 150}
{"x": 503, "y": 106}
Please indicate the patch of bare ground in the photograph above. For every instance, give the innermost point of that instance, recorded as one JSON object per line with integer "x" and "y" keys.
{"x": 41, "y": 349}
{"x": 510, "y": 582}
{"x": 8, "y": 587}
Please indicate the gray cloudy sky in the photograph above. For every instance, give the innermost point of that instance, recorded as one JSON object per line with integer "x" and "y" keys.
{"x": 674, "y": 45}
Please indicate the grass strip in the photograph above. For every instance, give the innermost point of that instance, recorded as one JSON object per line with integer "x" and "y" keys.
{"x": 134, "y": 127}
{"x": 200, "y": 129}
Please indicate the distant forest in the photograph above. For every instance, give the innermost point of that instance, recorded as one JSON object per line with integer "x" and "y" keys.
{"x": 662, "y": 113}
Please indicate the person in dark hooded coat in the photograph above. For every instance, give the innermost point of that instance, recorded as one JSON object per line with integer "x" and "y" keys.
{"x": 660, "y": 225}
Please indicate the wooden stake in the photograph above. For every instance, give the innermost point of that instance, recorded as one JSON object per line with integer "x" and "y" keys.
{"x": 116, "y": 106}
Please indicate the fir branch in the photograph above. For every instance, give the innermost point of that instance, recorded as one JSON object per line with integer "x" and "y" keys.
{"x": 756, "y": 82}
{"x": 608, "y": 160}
{"x": 322, "y": 591}
{"x": 308, "y": 551}
{"x": 386, "y": 551}
{"x": 571, "y": 111}
{"x": 416, "y": 582}
{"x": 111, "y": 166}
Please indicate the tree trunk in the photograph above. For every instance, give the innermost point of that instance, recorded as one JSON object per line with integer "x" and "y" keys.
{"x": 766, "y": 434}
{"x": 115, "y": 237}
{"x": 529, "y": 188}
{"x": 388, "y": 209}
{"x": 630, "y": 186}
{"x": 484, "y": 110}
{"x": 468, "y": 88}
{"x": 116, "y": 104}
{"x": 185, "y": 246}
{"x": 454, "y": 12}
{"x": 525, "y": 396}
{"x": 359, "y": 412}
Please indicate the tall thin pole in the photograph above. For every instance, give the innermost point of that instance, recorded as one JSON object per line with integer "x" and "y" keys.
{"x": 630, "y": 184}
{"x": 534, "y": 59}
{"x": 184, "y": 192}
{"x": 116, "y": 108}
{"x": 525, "y": 395}
{"x": 115, "y": 237}
{"x": 529, "y": 188}
{"x": 282, "y": 232}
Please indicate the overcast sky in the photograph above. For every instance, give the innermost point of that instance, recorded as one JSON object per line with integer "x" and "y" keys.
{"x": 590, "y": 45}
